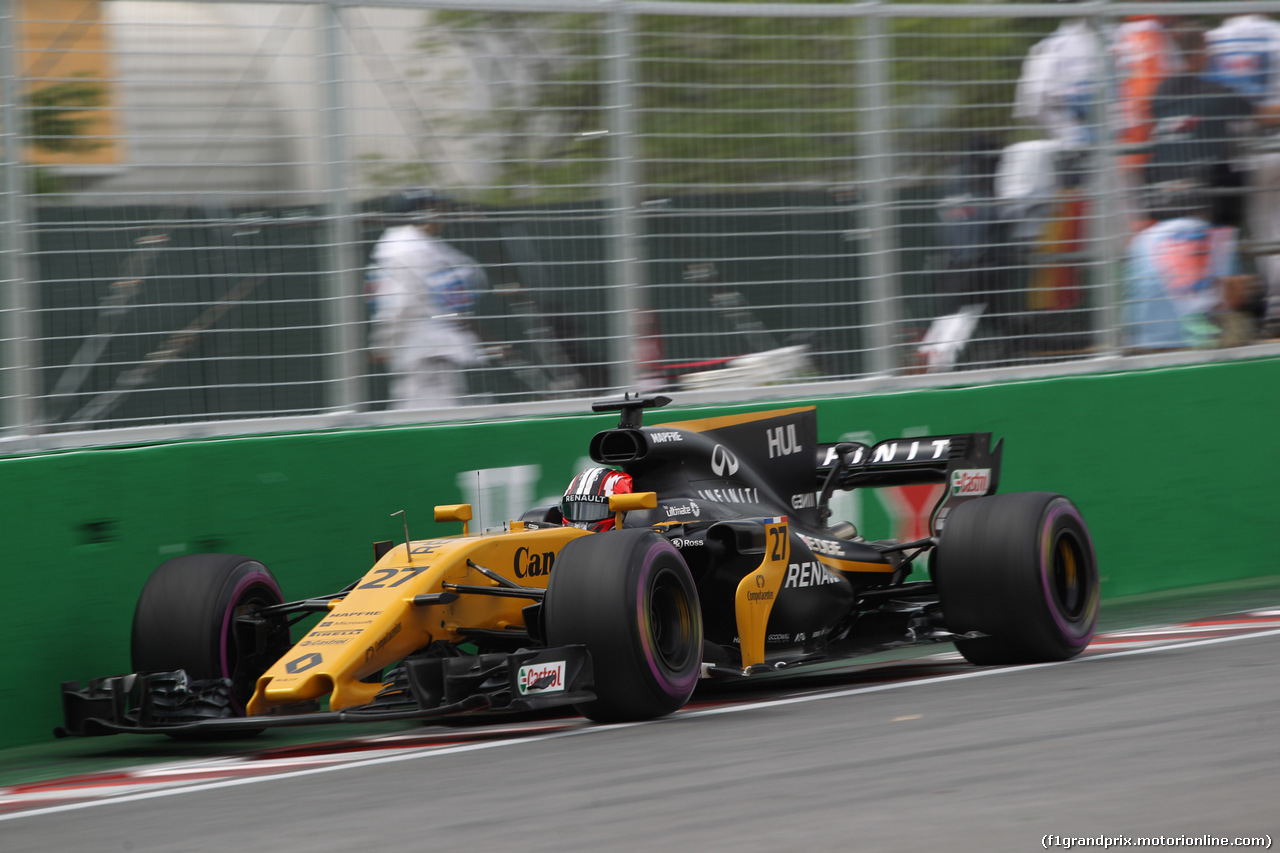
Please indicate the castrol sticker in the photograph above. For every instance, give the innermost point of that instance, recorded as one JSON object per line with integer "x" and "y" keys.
{"x": 970, "y": 482}
{"x": 541, "y": 678}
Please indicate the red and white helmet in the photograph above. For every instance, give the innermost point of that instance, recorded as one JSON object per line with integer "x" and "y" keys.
{"x": 586, "y": 502}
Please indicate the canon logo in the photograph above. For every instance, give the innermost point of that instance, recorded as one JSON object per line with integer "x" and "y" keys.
{"x": 529, "y": 564}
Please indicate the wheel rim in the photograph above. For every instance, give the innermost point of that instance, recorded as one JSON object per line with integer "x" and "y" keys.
{"x": 1068, "y": 575}
{"x": 670, "y": 620}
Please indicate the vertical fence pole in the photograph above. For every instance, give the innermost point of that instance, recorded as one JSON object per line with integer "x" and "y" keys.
{"x": 877, "y": 180}
{"x": 18, "y": 397}
{"x": 622, "y": 221}
{"x": 343, "y": 278}
{"x": 1110, "y": 227}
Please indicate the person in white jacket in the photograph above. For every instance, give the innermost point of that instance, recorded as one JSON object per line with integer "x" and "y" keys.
{"x": 421, "y": 295}
{"x": 1060, "y": 81}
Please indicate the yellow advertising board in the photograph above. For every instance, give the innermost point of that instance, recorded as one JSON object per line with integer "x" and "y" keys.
{"x": 70, "y": 92}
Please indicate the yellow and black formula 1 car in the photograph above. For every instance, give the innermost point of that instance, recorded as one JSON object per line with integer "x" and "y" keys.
{"x": 724, "y": 562}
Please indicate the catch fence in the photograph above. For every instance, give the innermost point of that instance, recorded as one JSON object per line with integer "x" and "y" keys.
{"x": 719, "y": 198}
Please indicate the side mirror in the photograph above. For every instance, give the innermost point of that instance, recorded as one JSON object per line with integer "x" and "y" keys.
{"x": 455, "y": 512}
{"x": 618, "y": 504}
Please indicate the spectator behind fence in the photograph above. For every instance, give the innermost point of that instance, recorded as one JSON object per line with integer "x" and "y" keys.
{"x": 1199, "y": 125}
{"x": 974, "y": 230}
{"x": 1058, "y": 85}
{"x": 1042, "y": 182}
{"x": 1144, "y": 55}
{"x": 1182, "y": 283}
{"x": 421, "y": 293}
{"x": 1244, "y": 53}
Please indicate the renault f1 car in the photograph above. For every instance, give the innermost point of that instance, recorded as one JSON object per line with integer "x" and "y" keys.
{"x": 725, "y": 563}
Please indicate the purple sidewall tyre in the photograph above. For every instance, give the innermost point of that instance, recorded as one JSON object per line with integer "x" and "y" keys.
{"x": 628, "y": 596}
{"x": 1020, "y": 569}
{"x": 186, "y": 618}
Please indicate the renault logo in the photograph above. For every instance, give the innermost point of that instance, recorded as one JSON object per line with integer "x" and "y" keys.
{"x": 303, "y": 663}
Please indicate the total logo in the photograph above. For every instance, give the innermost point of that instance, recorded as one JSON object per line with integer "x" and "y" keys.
{"x": 541, "y": 678}
{"x": 723, "y": 462}
{"x": 970, "y": 482}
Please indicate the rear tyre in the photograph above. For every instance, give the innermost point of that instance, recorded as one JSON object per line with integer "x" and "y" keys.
{"x": 629, "y": 598}
{"x": 1019, "y": 568}
{"x": 198, "y": 613}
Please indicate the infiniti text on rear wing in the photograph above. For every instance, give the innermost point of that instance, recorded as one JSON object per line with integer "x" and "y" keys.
{"x": 967, "y": 464}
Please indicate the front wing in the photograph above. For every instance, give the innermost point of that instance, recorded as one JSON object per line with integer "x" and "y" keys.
{"x": 425, "y": 688}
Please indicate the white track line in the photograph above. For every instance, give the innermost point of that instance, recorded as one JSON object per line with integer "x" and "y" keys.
{"x": 730, "y": 709}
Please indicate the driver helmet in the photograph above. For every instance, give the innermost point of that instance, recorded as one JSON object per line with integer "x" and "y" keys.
{"x": 586, "y": 502}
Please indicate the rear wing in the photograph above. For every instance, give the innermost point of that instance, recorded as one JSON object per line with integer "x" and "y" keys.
{"x": 966, "y": 464}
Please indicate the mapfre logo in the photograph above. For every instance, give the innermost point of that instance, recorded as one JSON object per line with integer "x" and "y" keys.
{"x": 969, "y": 482}
{"x": 541, "y": 678}
{"x": 723, "y": 462}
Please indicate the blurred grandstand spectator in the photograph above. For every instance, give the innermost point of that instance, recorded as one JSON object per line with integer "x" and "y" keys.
{"x": 421, "y": 292}
{"x": 1199, "y": 125}
{"x": 1244, "y": 53}
{"x": 1059, "y": 84}
{"x": 1144, "y": 54}
{"x": 1182, "y": 282}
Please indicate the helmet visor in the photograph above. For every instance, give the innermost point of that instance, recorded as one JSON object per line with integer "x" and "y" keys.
{"x": 585, "y": 508}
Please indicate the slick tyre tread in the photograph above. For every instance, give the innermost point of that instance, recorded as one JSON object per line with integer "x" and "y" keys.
{"x": 628, "y": 596}
{"x": 185, "y": 619}
{"x": 1019, "y": 568}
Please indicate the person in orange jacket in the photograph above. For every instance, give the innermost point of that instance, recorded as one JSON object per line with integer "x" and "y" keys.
{"x": 1145, "y": 54}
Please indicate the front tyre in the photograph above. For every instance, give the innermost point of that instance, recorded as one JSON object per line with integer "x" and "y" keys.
{"x": 1019, "y": 568}
{"x": 629, "y": 598}
{"x": 199, "y": 613}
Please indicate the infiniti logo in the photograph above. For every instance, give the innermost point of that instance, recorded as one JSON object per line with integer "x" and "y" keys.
{"x": 722, "y": 461}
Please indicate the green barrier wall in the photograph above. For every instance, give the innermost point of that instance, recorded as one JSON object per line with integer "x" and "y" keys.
{"x": 1175, "y": 471}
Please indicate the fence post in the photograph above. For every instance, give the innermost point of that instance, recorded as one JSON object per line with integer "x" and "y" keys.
{"x": 18, "y": 391}
{"x": 344, "y": 352}
{"x": 876, "y": 176}
{"x": 622, "y": 221}
{"x": 1110, "y": 227}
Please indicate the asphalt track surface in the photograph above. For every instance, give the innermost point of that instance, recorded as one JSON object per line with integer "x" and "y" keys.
{"x": 1169, "y": 729}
